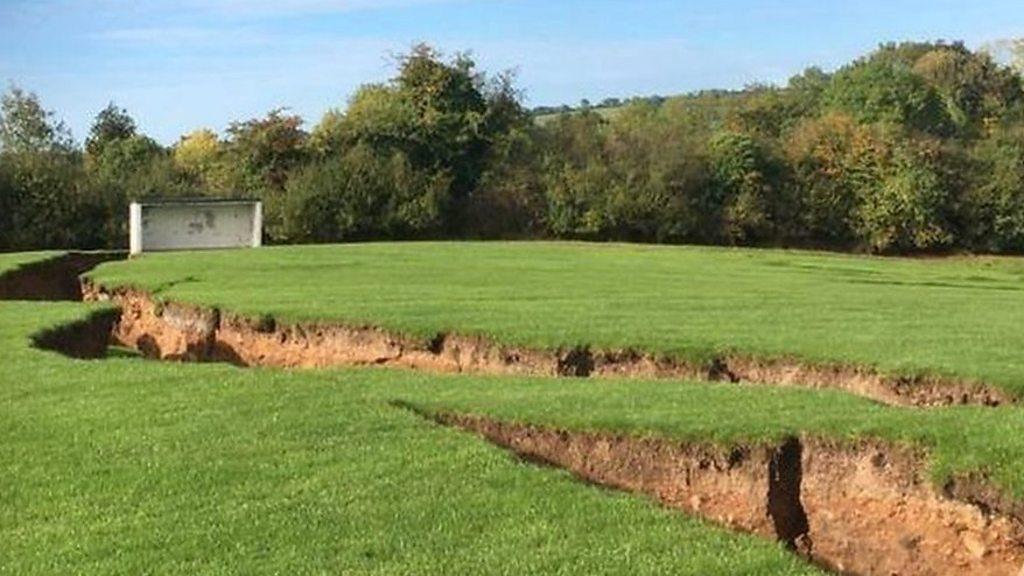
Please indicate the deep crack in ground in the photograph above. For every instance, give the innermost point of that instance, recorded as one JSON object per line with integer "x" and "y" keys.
{"x": 862, "y": 508}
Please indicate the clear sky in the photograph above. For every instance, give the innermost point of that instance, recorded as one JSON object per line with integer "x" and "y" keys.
{"x": 185, "y": 64}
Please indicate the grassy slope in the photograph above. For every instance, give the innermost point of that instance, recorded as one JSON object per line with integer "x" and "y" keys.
{"x": 130, "y": 466}
{"x": 126, "y": 465}
{"x": 121, "y": 465}
{"x": 957, "y": 317}
{"x": 958, "y": 440}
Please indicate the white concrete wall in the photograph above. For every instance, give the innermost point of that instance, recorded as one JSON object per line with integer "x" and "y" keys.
{"x": 191, "y": 226}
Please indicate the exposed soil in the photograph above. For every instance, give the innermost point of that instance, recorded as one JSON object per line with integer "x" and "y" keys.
{"x": 52, "y": 279}
{"x": 863, "y": 508}
{"x": 183, "y": 332}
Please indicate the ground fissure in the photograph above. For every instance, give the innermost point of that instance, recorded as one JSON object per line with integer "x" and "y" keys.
{"x": 185, "y": 332}
{"x": 862, "y": 507}
{"x": 55, "y": 278}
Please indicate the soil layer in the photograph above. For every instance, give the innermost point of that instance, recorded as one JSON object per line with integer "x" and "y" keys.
{"x": 183, "y": 332}
{"x": 863, "y": 508}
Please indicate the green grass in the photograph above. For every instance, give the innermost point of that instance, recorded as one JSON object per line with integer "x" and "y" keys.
{"x": 126, "y": 465}
{"x": 606, "y": 113}
{"x": 957, "y": 317}
{"x": 131, "y": 466}
{"x": 958, "y": 440}
{"x": 12, "y": 260}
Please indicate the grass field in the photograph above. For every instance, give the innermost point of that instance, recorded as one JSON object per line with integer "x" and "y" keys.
{"x": 130, "y": 466}
{"x": 126, "y": 465}
{"x": 958, "y": 317}
{"x": 12, "y": 260}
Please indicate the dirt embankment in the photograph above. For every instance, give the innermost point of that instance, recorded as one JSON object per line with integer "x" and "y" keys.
{"x": 52, "y": 279}
{"x": 864, "y": 508}
{"x": 183, "y": 332}
{"x": 859, "y": 509}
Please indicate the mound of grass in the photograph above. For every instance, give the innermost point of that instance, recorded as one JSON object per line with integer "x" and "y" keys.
{"x": 126, "y": 465}
{"x": 131, "y": 466}
{"x": 957, "y": 317}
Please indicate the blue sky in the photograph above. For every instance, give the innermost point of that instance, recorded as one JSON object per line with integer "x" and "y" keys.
{"x": 187, "y": 64}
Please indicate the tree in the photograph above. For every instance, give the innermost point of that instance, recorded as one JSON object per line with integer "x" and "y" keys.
{"x": 199, "y": 156}
{"x": 910, "y": 207}
{"x": 111, "y": 124}
{"x": 8, "y": 206}
{"x": 441, "y": 114}
{"x": 40, "y": 174}
{"x": 877, "y": 90}
{"x": 995, "y": 197}
{"x": 975, "y": 89}
{"x": 832, "y": 159}
{"x": 361, "y": 195}
{"x": 744, "y": 194}
{"x": 26, "y": 127}
{"x": 328, "y": 137}
{"x": 262, "y": 151}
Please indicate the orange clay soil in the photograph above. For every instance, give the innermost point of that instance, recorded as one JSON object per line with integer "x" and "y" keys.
{"x": 862, "y": 508}
{"x": 185, "y": 332}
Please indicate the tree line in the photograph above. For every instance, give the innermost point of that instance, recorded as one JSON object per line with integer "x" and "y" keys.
{"x": 914, "y": 147}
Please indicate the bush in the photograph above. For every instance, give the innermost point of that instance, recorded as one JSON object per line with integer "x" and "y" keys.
{"x": 745, "y": 184}
{"x": 359, "y": 196}
{"x": 47, "y": 209}
{"x": 509, "y": 201}
{"x": 831, "y": 159}
{"x": 909, "y": 208}
{"x": 877, "y": 90}
{"x": 995, "y": 198}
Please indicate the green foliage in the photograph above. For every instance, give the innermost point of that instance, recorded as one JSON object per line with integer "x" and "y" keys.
{"x": 832, "y": 159}
{"x": 119, "y": 159}
{"x": 47, "y": 209}
{"x": 509, "y": 201}
{"x": 361, "y": 195}
{"x": 876, "y": 90}
{"x": 996, "y": 195}
{"x": 444, "y": 116}
{"x": 199, "y": 156}
{"x": 111, "y": 124}
{"x": 259, "y": 153}
{"x": 634, "y": 178}
{"x": 741, "y": 185}
{"x": 328, "y": 137}
{"x": 909, "y": 206}
{"x": 8, "y": 204}
{"x": 907, "y": 149}
{"x": 27, "y": 128}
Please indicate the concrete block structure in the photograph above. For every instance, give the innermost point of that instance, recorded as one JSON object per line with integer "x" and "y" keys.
{"x": 194, "y": 224}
